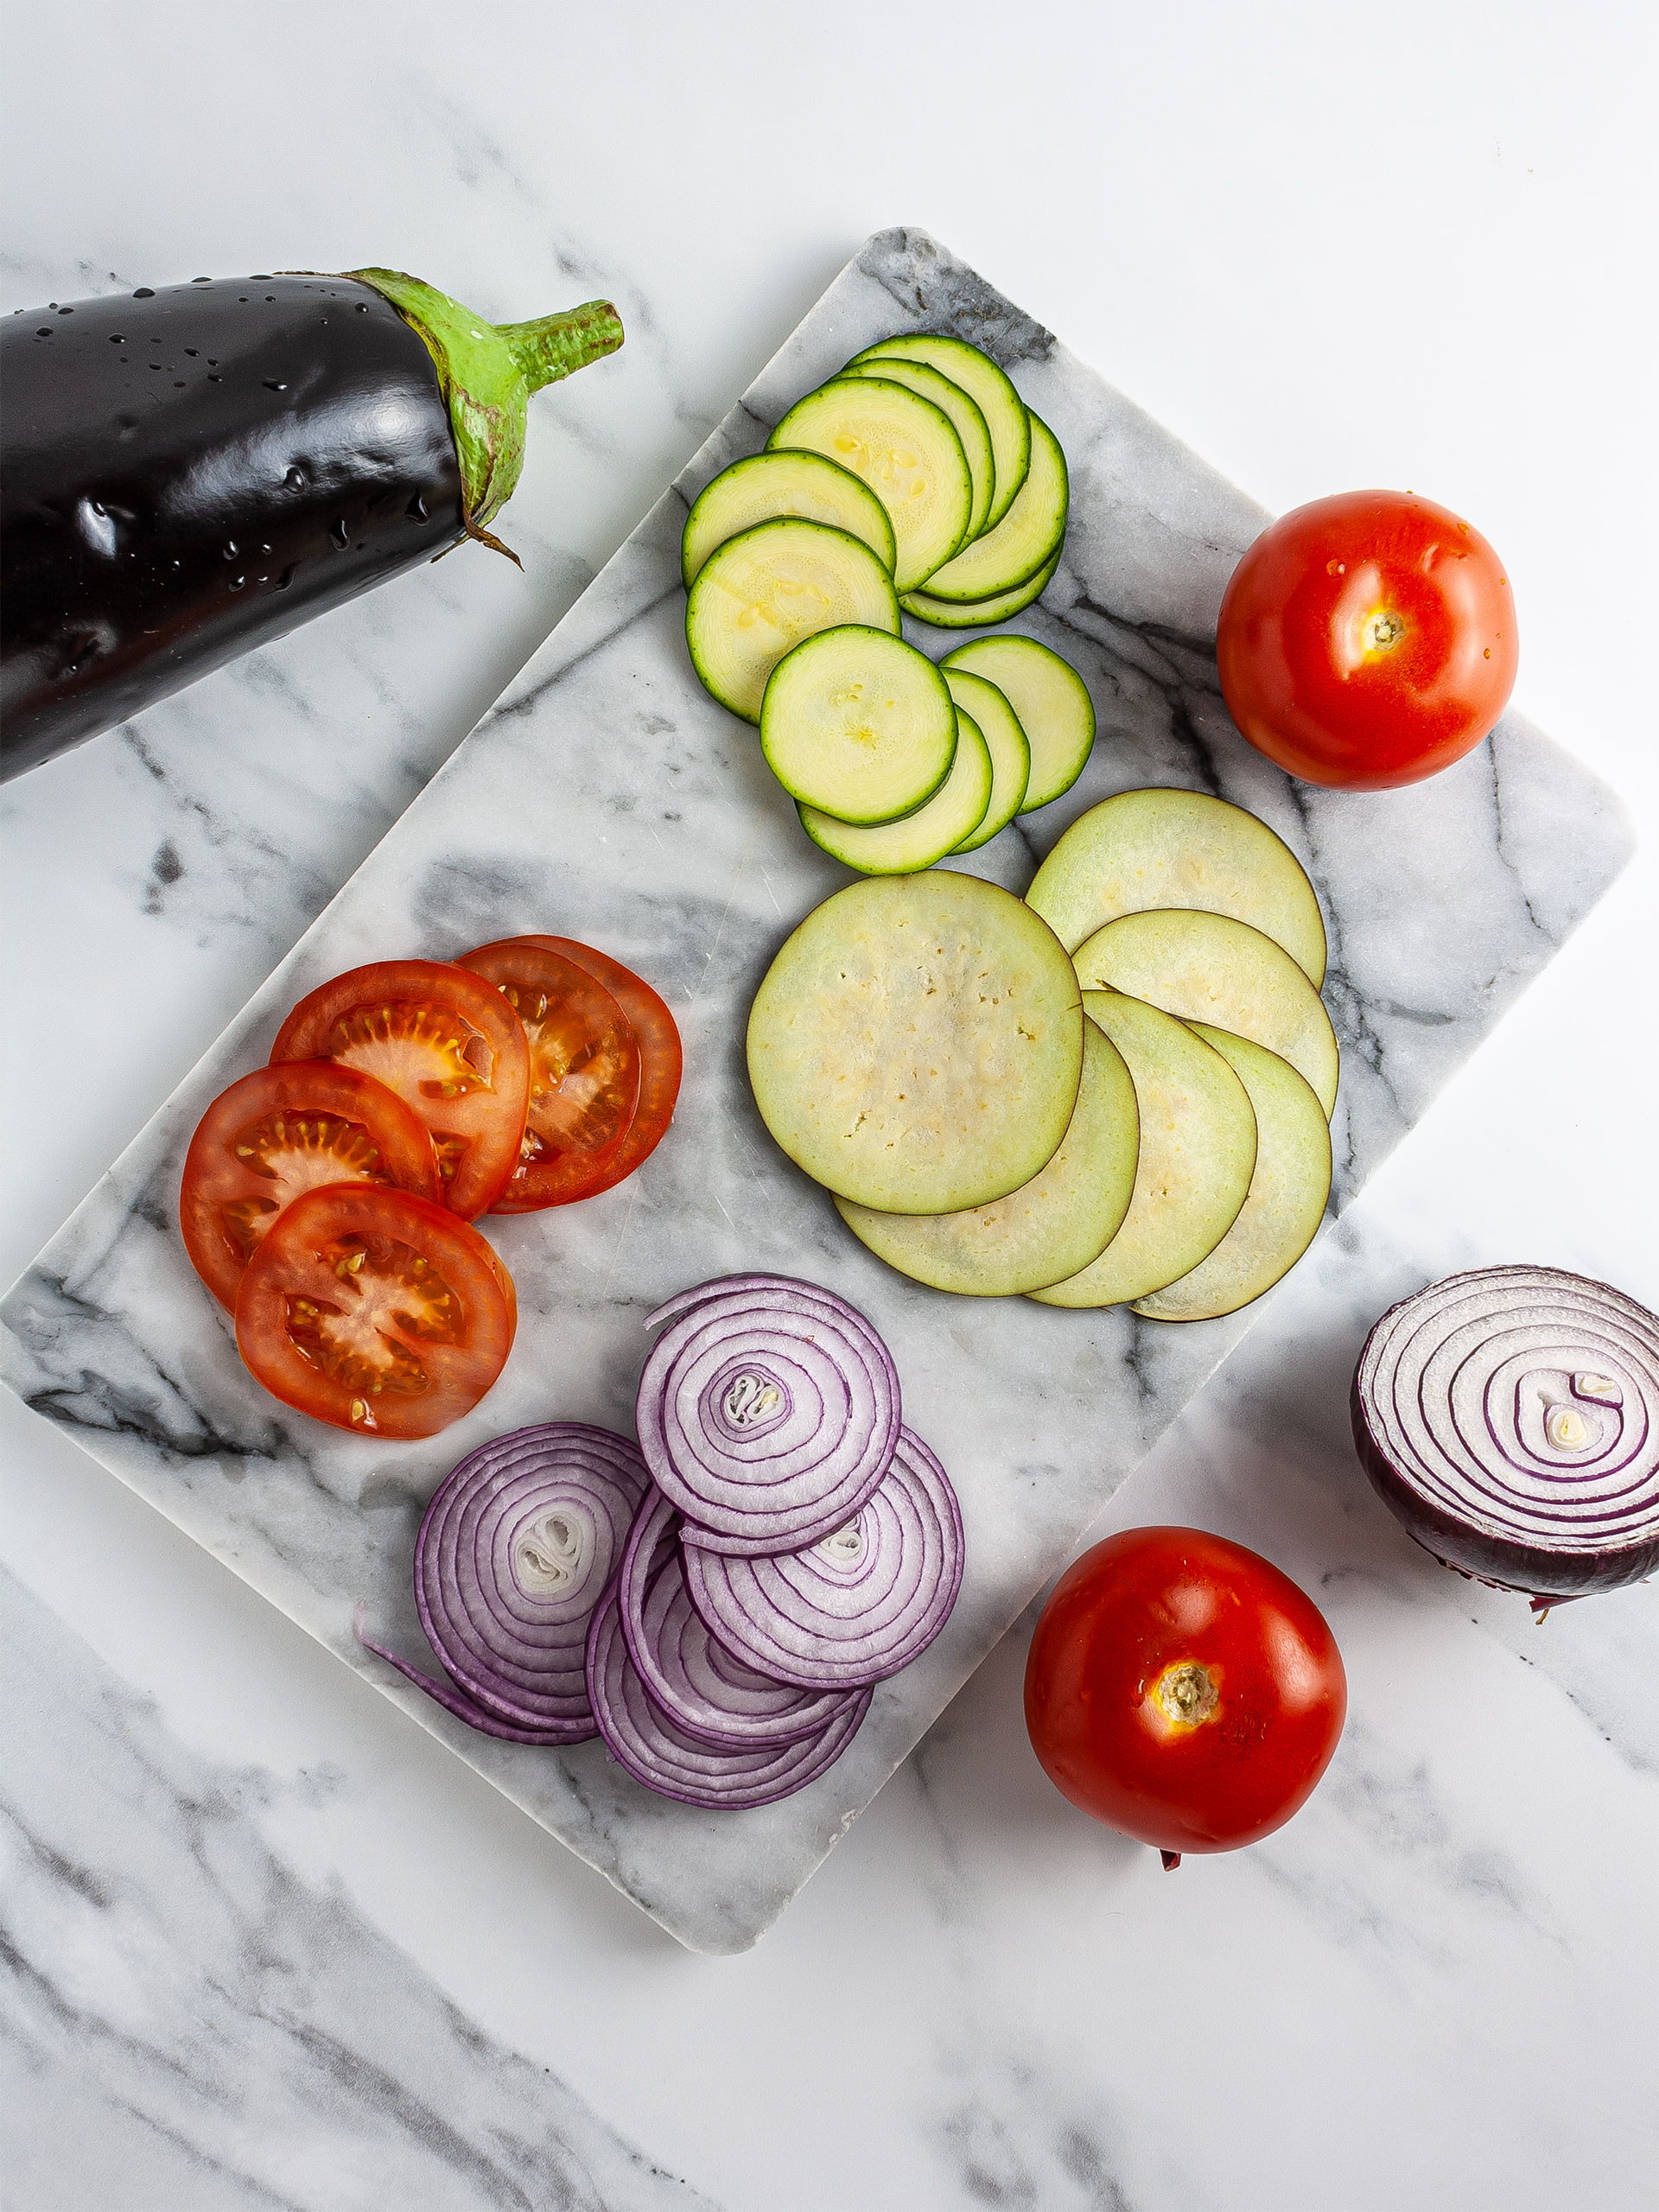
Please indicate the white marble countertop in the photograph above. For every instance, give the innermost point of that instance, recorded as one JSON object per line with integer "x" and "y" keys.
{"x": 268, "y": 1942}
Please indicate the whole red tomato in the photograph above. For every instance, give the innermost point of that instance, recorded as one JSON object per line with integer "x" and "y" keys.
{"x": 1183, "y": 1690}
{"x": 1367, "y": 640}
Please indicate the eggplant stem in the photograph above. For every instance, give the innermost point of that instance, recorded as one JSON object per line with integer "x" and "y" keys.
{"x": 555, "y": 346}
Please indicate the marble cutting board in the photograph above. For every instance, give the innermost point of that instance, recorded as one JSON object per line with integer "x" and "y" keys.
{"x": 606, "y": 797}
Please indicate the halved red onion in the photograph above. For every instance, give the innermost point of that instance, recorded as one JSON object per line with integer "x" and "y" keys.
{"x": 856, "y": 1605}
{"x": 517, "y": 1548}
{"x": 1510, "y": 1418}
{"x": 692, "y": 1680}
{"x": 767, "y": 1412}
{"x": 675, "y": 1764}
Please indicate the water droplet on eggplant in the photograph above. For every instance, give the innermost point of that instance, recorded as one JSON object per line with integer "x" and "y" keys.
{"x": 341, "y": 535}
{"x": 417, "y": 508}
{"x": 294, "y": 479}
{"x": 273, "y": 383}
{"x": 145, "y": 292}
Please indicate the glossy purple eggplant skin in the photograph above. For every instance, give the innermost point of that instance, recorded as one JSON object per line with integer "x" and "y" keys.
{"x": 188, "y": 473}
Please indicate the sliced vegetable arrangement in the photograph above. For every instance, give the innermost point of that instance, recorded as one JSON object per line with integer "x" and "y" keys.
{"x": 917, "y": 466}
{"x": 719, "y": 1603}
{"x": 326, "y": 1199}
{"x": 1510, "y": 1419}
{"x": 1143, "y": 1123}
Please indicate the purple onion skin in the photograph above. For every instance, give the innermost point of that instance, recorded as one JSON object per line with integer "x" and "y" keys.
{"x": 1548, "y": 1577}
{"x": 668, "y": 1762}
{"x": 476, "y": 1715}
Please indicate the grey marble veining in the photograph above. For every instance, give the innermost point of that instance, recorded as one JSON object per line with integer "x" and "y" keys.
{"x": 217, "y": 2032}
{"x": 606, "y": 796}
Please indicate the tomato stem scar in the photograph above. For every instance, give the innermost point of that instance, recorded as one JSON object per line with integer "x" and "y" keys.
{"x": 1187, "y": 1693}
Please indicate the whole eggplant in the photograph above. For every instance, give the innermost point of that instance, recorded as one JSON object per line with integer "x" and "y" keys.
{"x": 187, "y": 472}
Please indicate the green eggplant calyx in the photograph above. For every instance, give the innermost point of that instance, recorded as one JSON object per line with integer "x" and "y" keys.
{"x": 486, "y": 373}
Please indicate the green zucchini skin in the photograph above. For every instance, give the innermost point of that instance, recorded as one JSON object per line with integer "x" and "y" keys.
{"x": 192, "y": 472}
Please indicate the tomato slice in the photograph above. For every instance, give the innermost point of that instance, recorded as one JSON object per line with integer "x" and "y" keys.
{"x": 452, "y": 1049}
{"x": 657, "y": 1042}
{"x": 281, "y": 1131}
{"x": 375, "y": 1311}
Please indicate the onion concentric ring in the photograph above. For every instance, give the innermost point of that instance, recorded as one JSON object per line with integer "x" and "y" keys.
{"x": 664, "y": 1758}
{"x": 514, "y": 1552}
{"x": 692, "y": 1680}
{"x": 1510, "y": 1418}
{"x": 854, "y": 1606}
{"x": 767, "y": 1412}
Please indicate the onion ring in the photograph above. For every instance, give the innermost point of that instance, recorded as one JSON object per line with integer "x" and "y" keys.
{"x": 515, "y": 1550}
{"x": 692, "y": 1680}
{"x": 665, "y": 1760}
{"x": 855, "y": 1605}
{"x": 767, "y": 1412}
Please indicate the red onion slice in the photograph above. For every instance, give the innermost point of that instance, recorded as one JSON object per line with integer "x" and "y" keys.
{"x": 664, "y": 1758}
{"x": 855, "y": 1605}
{"x": 767, "y": 1412}
{"x": 517, "y": 1548}
{"x": 702, "y": 1688}
{"x": 1510, "y": 1418}
{"x": 468, "y": 1709}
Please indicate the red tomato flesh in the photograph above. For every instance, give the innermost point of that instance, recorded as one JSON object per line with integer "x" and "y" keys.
{"x": 376, "y": 1311}
{"x": 281, "y": 1131}
{"x": 584, "y": 1071}
{"x": 1181, "y": 1689}
{"x": 604, "y": 1150}
{"x": 1367, "y": 640}
{"x": 449, "y": 1045}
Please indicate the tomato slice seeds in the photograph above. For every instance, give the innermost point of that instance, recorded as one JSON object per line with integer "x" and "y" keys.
{"x": 375, "y": 1312}
{"x": 325, "y": 1197}
{"x": 449, "y": 1047}
{"x": 578, "y": 1159}
{"x": 278, "y": 1132}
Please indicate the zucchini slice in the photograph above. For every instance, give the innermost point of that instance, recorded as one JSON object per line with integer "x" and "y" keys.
{"x": 1197, "y": 1152}
{"x": 1210, "y": 968}
{"x": 998, "y": 726}
{"x": 1049, "y": 1228}
{"x": 939, "y": 828}
{"x": 766, "y": 485}
{"x": 1145, "y": 850}
{"x": 991, "y": 392}
{"x": 858, "y": 724}
{"x": 1288, "y": 1190}
{"x": 1055, "y": 711}
{"x": 761, "y": 592}
{"x": 977, "y": 614}
{"x": 1028, "y": 537}
{"x": 965, "y": 420}
{"x": 906, "y": 450}
{"x": 916, "y": 1043}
